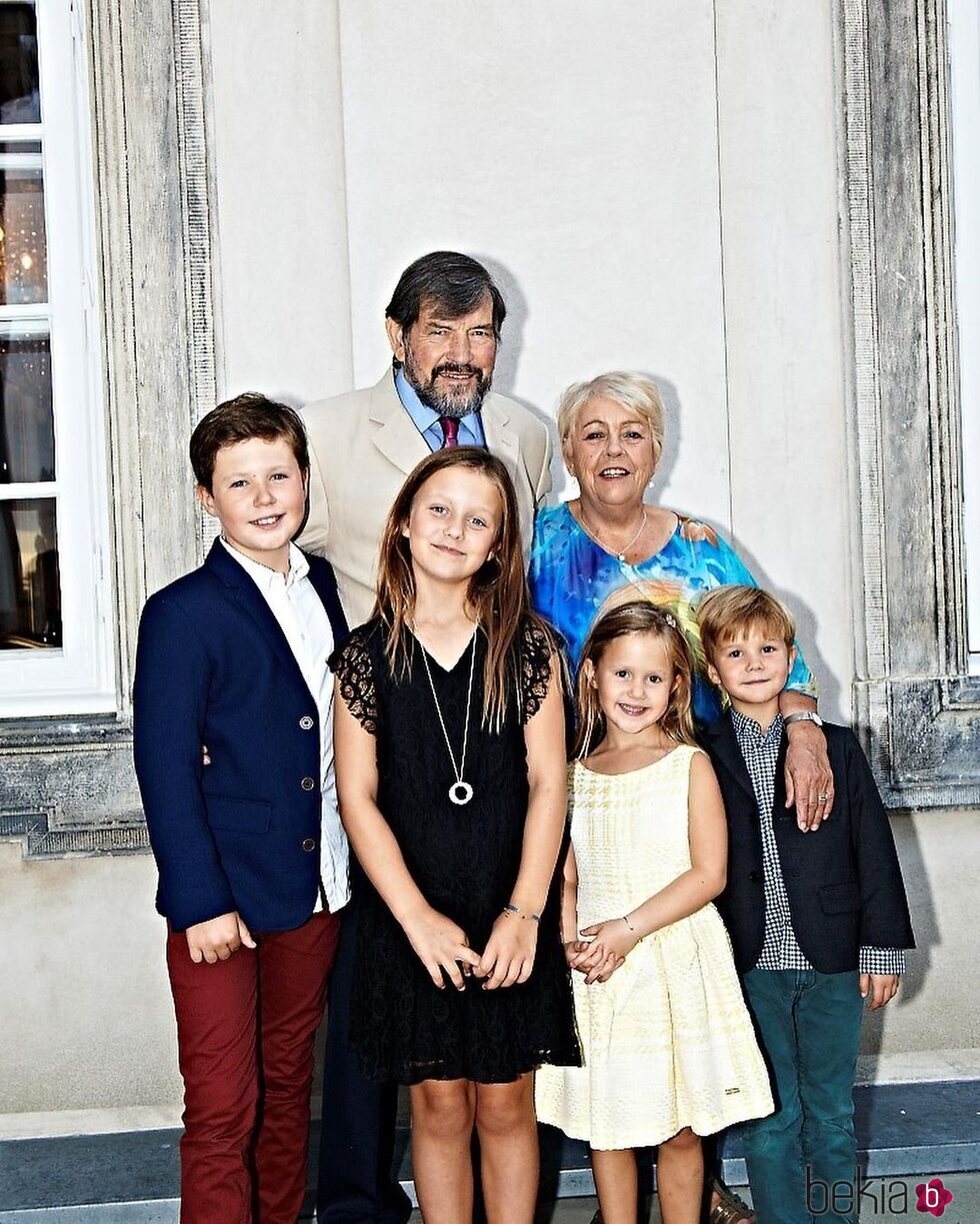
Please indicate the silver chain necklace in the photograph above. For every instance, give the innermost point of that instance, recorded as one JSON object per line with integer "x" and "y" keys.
{"x": 460, "y": 792}
{"x": 594, "y": 536}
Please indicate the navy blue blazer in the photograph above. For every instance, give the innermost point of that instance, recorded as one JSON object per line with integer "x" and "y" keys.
{"x": 843, "y": 882}
{"x": 214, "y": 667}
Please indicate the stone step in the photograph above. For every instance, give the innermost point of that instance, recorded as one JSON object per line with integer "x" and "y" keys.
{"x": 904, "y": 1129}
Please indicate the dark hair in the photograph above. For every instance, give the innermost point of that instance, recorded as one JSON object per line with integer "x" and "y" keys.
{"x": 249, "y": 415}
{"x": 453, "y": 282}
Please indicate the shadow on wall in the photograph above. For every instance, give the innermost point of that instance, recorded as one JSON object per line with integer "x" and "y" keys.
{"x": 512, "y": 340}
{"x": 806, "y": 620}
{"x": 924, "y": 923}
{"x": 509, "y": 357}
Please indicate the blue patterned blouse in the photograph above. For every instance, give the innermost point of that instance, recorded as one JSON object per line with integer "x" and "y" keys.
{"x": 572, "y": 578}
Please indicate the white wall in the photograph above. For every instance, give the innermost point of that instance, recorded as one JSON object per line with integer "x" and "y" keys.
{"x": 653, "y": 185}
{"x": 85, "y": 1007}
{"x": 282, "y": 290}
{"x": 577, "y": 155}
{"x": 786, "y": 339}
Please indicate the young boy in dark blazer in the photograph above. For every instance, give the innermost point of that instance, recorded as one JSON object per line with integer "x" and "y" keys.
{"x": 817, "y": 920}
{"x": 233, "y": 745}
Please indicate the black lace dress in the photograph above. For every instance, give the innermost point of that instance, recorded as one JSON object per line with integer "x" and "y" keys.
{"x": 465, "y": 861}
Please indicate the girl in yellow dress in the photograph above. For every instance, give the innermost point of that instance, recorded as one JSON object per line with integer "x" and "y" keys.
{"x": 670, "y": 1053}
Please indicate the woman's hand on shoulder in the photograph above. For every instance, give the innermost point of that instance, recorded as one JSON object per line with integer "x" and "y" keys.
{"x": 809, "y": 778}
{"x": 441, "y": 946}
{"x": 697, "y": 532}
{"x": 509, "y": 955}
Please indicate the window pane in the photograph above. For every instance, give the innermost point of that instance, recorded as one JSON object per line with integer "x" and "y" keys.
{"x": 23, "y": 254}
{"x": 26, "y": 416}
{"x": 30, "y": 586}
{"x": 20, "y": 100}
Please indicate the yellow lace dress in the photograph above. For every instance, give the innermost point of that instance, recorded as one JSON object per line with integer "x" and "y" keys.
{"x": 667, "y": 1041}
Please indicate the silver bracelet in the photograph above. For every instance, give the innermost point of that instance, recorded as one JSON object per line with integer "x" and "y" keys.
{"x": 516, "y": 910}
{"x": 629, "y": 925}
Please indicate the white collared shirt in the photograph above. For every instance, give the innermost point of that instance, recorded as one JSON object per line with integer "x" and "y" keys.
{"x": 304, "y": 622}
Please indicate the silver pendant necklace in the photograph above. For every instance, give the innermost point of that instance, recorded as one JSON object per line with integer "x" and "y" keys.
{"x": 619, "y": 555}
{"x": 460, "y": 792}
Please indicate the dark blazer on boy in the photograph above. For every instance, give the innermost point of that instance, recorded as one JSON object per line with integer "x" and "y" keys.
{"x": 213, "y": 667}
{"x": 843, "y": 882}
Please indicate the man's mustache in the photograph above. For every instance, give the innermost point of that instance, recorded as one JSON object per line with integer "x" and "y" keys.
{"x": 450, "y": 367}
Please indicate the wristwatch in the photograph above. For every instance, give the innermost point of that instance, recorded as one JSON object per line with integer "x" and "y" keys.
{"x": 803, "y": 716}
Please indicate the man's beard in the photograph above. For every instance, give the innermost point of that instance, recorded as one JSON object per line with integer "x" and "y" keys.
{"x": 447, "y": 402}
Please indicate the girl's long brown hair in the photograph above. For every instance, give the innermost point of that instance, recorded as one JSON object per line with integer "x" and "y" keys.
{"x": 497, "y": 592}
{"x": 639, "y": 616}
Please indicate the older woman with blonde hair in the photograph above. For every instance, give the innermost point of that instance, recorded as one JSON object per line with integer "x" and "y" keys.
{"x": 609, "y": 544}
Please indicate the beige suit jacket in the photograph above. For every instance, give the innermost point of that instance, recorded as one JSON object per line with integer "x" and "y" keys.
{"x": 362, "y": 446}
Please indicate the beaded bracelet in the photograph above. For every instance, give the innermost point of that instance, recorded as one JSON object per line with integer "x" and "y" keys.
{"x": 510, "y": 908}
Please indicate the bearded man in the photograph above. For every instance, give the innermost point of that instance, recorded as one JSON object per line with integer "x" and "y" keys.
{"x": 443, "y": 324}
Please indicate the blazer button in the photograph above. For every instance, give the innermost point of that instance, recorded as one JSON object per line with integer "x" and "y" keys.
{"x": 306, "y": 722}
{"x": 309, "y": 844}
{"x": 307, "y": 784}
{"x": 755, "y": 876}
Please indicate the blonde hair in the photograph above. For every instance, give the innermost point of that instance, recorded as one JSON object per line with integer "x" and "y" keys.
{"x": 497, "y": 591}
{"x": 636, "y": 617}
{"x": 728, "y": 611}
{"x": 634, "y": 391}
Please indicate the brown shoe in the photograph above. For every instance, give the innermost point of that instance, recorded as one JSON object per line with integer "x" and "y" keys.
{"x": 730, "y": 1209}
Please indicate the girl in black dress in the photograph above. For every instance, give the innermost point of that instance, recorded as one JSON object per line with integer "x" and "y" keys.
{"x": 449, "y": 740}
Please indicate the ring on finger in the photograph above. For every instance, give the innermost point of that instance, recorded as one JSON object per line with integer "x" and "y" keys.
{"x": 822, "y": 798}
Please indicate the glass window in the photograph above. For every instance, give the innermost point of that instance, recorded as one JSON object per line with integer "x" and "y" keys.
{"x": 30, "y": 594}
{"x": 30, "y": 590}
{"x": 55, "y": 632}
{"x": 20, "y": 86}
{"x": 23, "y": 250}
{"x": 26, "y": 410}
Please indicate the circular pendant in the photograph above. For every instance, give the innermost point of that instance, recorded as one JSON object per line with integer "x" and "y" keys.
{"x": 461, "y": 792}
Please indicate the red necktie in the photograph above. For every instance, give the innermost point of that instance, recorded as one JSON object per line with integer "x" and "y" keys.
{"x": 450, "y": 430}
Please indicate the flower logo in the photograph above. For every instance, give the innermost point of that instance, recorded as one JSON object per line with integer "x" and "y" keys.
{"x": 933, "y": 1196}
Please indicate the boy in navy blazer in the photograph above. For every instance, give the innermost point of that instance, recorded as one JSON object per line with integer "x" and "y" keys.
{"x": 232, "y": 727}
{"x": 817, "y": 920}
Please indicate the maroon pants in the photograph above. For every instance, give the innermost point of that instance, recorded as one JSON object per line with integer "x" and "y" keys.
{"x": 245, "y": 1033}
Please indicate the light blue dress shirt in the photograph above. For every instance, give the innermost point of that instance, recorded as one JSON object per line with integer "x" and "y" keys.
{"x": 426, "y": 419}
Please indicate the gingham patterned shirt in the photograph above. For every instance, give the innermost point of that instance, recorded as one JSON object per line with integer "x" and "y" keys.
{"x": 780, "y": 950}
